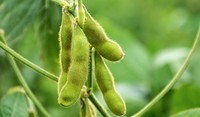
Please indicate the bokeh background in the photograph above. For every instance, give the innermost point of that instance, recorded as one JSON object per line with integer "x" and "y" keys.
{"x": 156, "y": 36}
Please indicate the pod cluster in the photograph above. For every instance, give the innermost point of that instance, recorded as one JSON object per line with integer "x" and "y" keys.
{"x": 74, "y": 59}
{"x": 75, "y": 41}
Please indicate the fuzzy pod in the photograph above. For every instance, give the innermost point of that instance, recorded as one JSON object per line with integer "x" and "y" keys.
{"x": 105, "y": 81}
{"x": 97, "y": 37}
{"x": 78, "y": 71}
{"x": 81, "y": 13}
{"x": 65, "y": 40}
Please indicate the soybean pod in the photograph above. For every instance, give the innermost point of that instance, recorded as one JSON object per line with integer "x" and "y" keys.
{"x": 78, "y": 71}
{"x": 105, "y": 81}
{"x": 65, "y": 39}
{"x": 81, "y": 13}
{"x": 97, "y": 37}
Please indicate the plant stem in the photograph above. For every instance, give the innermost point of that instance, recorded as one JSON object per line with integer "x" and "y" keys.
{"x": 23, "y": 82}
{"x": 174, "y": 79}
{"x": 89, "y": 83}
{"x": 27, "y": 62}
{"x": 97, "y": 104}
{"x": 84, "y": 107}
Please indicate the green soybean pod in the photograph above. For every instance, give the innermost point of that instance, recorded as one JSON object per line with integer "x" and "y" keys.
{"x": 81, "y": 13}
{"x": 97, "y": 37}
{"x": 105, "y": 82}
{"x": 65, "y": 39}
{"x": 78, "y": 71}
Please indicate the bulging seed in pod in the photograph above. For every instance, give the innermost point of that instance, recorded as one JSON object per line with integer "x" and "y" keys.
{"x": 100, "y": 41}
{"x": 65, "y": 39}
{"x": 105, "y": 81}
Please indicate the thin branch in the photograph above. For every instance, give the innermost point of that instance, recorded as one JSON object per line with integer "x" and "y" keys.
{"x": 23, "y": 82}
{"x": 174, "y": 79}
{"x": 27, "y": 62}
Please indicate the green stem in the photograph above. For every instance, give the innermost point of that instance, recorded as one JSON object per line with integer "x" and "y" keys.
{"x": 27, "y": 62}
{"x": 89, "y": 85}
{"x": 23, "y": 82}
{"x": 84, "y": 107}
{"x": 174, "y": 79}
{"x": 97, "y": 104}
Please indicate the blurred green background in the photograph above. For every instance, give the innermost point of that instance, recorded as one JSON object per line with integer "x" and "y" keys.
{"x": 155, "y": 35}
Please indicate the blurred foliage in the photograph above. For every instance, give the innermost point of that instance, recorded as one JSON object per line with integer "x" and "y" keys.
{"x": 155, "y": 35}
{"x": 10, "y": 103}
{"x": 188, "y": 113}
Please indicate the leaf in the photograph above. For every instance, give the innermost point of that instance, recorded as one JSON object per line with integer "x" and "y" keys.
{"x": 16, "y": 14}
{"x": 14, "y": 104}
{"x": 194, "y": 68}
{"x": 136, "y": 64}
{"x": 49, "y": 37}
{"x": 166, "y": 63}
{"x": 170, "y": 55}
{"x": 188, "y": 113}
{"x": 135, "y": 99}
{"x": 29, "y": 47}
{"x": 185, "y": 97}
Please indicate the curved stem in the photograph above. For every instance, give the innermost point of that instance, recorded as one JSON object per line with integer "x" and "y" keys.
{"x": 27, "y": 62}
{"x": 174, "y": 79}
{"x": 97, "y": 104}
{"x": 24, "y": 84}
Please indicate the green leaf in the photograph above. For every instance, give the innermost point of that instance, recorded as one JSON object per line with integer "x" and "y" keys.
{"x": 136, "y": 64}
{"x": 49, "y": 37}
{"x": 185, "y": 97}
{"x": 188, "y": 113}
{"x": 166, "y": 63}
{"x": 16, "y": 14}
{"x": 14, "y": 104}
{"x": 134, "y": 100}
{"x": 170, "y": 56}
